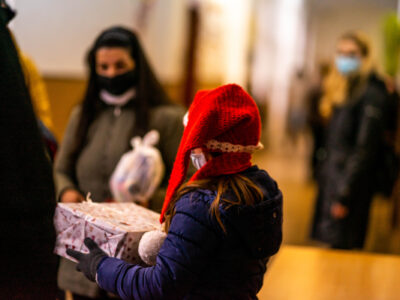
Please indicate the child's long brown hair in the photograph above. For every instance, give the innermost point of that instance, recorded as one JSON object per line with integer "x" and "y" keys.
{"x": 244, "y": 190}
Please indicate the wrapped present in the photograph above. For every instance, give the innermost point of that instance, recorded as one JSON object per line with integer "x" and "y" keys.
{"x": 115, "y": 227}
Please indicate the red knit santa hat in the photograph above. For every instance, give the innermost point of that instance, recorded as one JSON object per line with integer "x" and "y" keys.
{"x": 224, "y": 120}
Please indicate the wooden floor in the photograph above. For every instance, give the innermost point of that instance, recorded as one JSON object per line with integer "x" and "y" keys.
{"x": 309, "y": 273}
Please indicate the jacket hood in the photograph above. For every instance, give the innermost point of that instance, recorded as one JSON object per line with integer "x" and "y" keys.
{"x": 259, "y": 226}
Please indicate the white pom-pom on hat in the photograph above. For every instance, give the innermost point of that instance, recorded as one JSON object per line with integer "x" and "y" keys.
{"x": 150, "y": 245}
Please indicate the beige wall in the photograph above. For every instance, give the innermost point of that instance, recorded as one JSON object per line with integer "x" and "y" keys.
{"x": 329, "y": 22}
{"x": 57, "y": 34}
{"x": 64, "y": 94}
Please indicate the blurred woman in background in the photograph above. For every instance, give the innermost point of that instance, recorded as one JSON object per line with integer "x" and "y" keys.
{"x": 355, "y": 103}
{"x": 315, "y": 122}
{"x": 123, "y": 99}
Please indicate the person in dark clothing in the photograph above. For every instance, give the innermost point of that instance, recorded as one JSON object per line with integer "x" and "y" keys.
{"x": 355, "y": 102}
{"x": 315, "y": 121}
{"x": 123, "y": 99}
{"x": 223, "y": 225}
{"x": 28, "y": 265}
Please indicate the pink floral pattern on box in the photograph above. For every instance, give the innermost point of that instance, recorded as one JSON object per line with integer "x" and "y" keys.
{"x": 115, "y": 227}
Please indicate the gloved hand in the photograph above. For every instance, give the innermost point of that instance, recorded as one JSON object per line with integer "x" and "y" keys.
{"x": 87, "y": 263}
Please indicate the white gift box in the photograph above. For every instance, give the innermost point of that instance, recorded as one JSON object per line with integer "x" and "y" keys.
{"x": 115, "y": 227}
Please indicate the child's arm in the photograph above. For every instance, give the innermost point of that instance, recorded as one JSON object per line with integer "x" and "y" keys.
{"x": 185, "y": 254}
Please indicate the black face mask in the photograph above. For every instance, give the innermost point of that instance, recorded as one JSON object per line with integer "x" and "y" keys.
{"x": 119, "y": 84}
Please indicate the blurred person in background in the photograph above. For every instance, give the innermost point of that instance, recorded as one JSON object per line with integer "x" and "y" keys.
{"x": 296, "y": 115}
{"x": 39, "y": 98}
{"x": 355, "y": 103}
{"x": 315, "y": 122}
{"x": 37, "y": 88}
{"x": 28, "y": 265}
{"x": 123, "y": 99}
{"x": 40, "y": 102}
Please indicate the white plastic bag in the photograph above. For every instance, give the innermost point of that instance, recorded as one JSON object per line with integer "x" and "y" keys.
{"x": 139, "y": 171}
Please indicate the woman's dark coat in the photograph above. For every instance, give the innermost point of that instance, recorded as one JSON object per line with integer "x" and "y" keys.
{"x": 348, "y": 175}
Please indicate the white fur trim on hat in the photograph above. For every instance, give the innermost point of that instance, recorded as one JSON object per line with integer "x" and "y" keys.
{"x": 228, "y": 147}
{"x": 150, "y": 245}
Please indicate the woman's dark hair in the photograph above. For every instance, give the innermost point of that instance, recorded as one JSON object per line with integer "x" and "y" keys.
{"x": 149, "y": 92}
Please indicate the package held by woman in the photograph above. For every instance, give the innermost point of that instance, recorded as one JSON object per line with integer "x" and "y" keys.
{"x": 115, "y": 227}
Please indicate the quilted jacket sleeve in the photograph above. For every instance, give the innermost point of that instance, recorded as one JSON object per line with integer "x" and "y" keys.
{"x": 191, "y": 241}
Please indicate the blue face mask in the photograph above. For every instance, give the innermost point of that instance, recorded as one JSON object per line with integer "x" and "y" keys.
{"x": 347, "y": 65}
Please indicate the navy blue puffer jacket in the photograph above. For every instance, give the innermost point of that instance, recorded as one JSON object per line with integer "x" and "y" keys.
{"x": 198, "y": 260}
